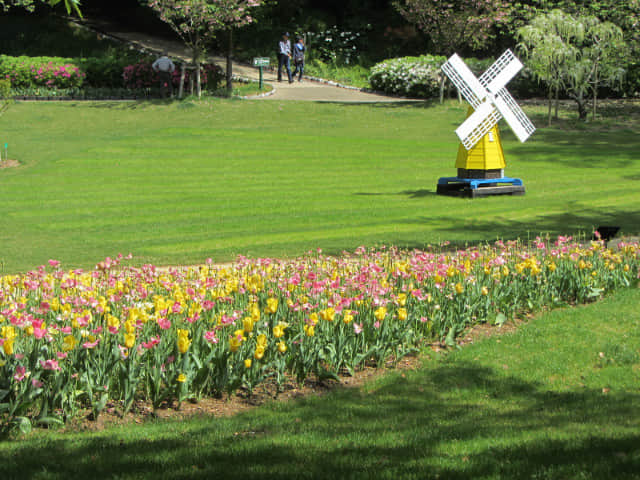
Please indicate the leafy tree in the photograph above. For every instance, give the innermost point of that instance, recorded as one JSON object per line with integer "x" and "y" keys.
{"x": 198, "y": 21}
{"x": 576, "y": 53}
{"x": 547, "y": 42}
{"x": 70, "y": 5}
{"x": 456, "y": 25}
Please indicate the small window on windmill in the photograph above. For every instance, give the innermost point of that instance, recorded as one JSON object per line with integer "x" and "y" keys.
{"x": 491, "y": 136}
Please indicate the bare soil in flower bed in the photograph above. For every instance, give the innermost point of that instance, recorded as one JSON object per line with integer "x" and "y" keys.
{"x": 230, "y": 405}
{"x": 9, "y": 163}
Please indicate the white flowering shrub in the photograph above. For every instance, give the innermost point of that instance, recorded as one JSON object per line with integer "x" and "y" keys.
{"x": 334, "y": 46}
{"x": 409, "y": 76}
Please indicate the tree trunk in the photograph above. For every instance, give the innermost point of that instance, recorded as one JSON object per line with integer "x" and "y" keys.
{"x": 443, "y": 80}
{"x": 582, "y": 106}
{"x": 550, "y": 98}
{"x": 198, "y": 83}
{"x": 229, "y": 64}
{"x": 595, "y": 92}
{"x": 557, "y": 101}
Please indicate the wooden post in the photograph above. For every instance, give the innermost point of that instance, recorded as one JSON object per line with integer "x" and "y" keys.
{"x": 230, "y": 64}
{"x": 183, "y": 72}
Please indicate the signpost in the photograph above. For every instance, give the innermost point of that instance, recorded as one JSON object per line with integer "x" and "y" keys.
{"x": 261, "y": 62}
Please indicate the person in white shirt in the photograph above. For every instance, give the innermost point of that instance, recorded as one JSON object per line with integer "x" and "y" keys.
{"x": 284, "y": 56}
{"x": 164, "y": 67}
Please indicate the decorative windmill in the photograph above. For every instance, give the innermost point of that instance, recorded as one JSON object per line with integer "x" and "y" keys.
{"x": 480, "y": 160}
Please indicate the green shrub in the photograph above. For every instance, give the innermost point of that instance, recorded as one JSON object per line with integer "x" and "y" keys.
{"x": 106, "y": 71}
{"x": 420, "y": 76}
{"x": 5, "y": 89}
{"x": 411, "y": 76}
{"x": 355, "y": 74}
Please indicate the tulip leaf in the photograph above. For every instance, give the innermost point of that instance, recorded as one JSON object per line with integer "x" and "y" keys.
{"x": 49, "y": 421}
{"x": 450, "y": 341}
{"x": 23, "y": 423}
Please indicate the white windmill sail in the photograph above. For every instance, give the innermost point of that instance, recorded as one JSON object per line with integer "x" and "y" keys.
{"x": 489, "y": 97}
{"x": 478, "y": 124}
{"x": 501, "y": 72}
{"x": 464, "y": 80}
{"x": 513, "y": 115}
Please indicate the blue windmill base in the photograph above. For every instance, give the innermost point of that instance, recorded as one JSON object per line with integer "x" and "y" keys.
{"x": 479, "y": 187}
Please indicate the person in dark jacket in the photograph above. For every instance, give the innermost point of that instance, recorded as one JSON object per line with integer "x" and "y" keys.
{"x": 298, "y": 58}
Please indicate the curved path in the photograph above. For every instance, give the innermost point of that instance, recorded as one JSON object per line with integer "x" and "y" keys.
{"x": 305, "y": 90}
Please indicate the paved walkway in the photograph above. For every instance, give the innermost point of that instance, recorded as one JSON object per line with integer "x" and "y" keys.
{"x": 305, "y": 90}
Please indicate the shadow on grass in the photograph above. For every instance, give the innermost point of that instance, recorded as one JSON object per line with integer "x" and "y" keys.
{"x": 554, "y": 224}
{"x": 460, "y": 421}
{"x": 393, "y": 103}
{"x": 579, "y": 149}
{"x": 132, "y": 104}
{"x": 409, "y": 193}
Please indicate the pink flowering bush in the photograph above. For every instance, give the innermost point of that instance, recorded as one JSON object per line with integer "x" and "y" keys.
{"x": 72, "y": 339}
{"x": 50, "y": 72}
{"x": 141, "y": 75}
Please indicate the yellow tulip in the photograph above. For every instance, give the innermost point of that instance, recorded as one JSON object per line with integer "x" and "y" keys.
{"x": 130, "y": 340}
{"x": 8, "y": 332}
{"x": 69, "y": 343}
{"x": 247, "y": 324}
{"x": 183, "y": 341}
{"x": 255, "y": 313}
{"x": 282, "y": 347}
{"x": 259, "y": 353}
{"x": 247, "y": 363}
{"x": 484, "y": 291}
{"x": 181, "y": 378}
{"x": 278, "y": 330}
{"x": 402, "y": 314}
{"x": 328, "y": 314}
{"x": 261, "y": 341}
{"x": 234, "y": 343}
{"x": 272, "y": 305}
{"x": 459, "y": 288}
{"x": 7, "y": 346}
{"x": 380, "y": 313}
{"x": 309, "y": 330}
{"x": 402, "y": 299}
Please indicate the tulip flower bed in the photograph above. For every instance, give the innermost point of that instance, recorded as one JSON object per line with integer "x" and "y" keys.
{"x": 72, "y": 340}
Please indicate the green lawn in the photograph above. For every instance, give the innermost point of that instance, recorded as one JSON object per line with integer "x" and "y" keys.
{"x": 177, "y": 183}
{"x": 557, "y": 399}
